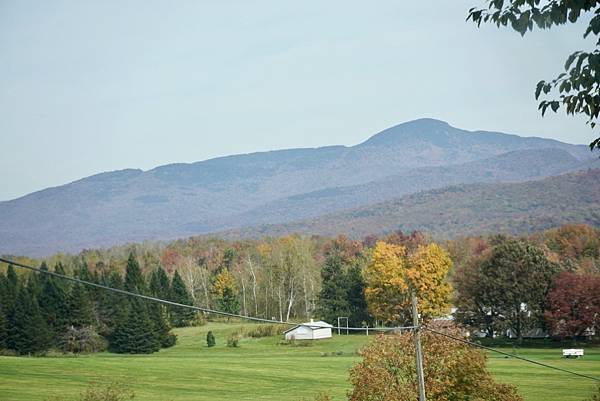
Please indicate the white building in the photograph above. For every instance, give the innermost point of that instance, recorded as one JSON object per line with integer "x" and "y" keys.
{"x": 309, "y": 331}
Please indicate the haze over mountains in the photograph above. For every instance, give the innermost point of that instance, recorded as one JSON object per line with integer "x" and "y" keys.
{"x": 235, "y": 192}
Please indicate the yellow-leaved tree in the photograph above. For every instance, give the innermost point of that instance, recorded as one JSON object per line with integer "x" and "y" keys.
{"x": 225, "y": 292}
{"x": 392, "y": 275}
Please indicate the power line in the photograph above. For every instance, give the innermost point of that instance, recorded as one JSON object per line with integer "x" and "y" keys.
{"x": 197, "y": 308}
{"x": 262, "y": 320}
{"x": 507, "y": 354}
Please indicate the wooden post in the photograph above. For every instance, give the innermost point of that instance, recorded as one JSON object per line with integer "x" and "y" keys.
{"x": 418, "y": 351}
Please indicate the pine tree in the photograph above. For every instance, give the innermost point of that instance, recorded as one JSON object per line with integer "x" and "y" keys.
{"x": 210, "y": 339}
{"x": 135, "y": 335}
{"x": 180, "y": 316}
{"x": 3, "y": 328}
{"x": 12, "y": 286}
{"x": 159, "y": 284}
{"x": 224, "y": 290}
{"x": 54, "y": 307}
{"x": 35, "y": 282}
{"x": 9, "y": 284}
{"x": 83, "y": 271}
{"x": 228, "y": 302}
{"x": 160, "y": 324}
{"x": 359, "y": 313}
{"x": 158, "y": 313}
{"x": 134, "y": 280}
{"x": 112, "y": 307}
{"x": 80, "y": 307}
{"x": 332, "y": 301}
{"x": 27, "y": 332}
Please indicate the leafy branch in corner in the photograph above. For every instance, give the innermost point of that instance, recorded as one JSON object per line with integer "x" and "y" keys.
{"x": 577, "y": 89}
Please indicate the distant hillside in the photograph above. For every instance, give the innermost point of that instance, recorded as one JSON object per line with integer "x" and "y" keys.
{"x": 464, "y": 210}
{"x": 280, "y": 186}
{"x": 517, "y": 166}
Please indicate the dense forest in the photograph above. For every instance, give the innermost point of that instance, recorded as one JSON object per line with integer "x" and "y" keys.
{"x": 460, "y": 210}
{"x": 497, "y": 284}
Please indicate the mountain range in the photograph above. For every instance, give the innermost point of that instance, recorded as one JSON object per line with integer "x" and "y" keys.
{"x": 242, "y": 193}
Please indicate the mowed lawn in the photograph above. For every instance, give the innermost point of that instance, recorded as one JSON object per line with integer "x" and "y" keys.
{"x": 261, "y": 369}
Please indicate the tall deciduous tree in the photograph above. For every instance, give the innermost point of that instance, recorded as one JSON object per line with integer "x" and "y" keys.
{"x": 473, "y": 308}
{"x": 573, "y": 304}
{"x": 392, "y": 276}
{"x": 514, "y": 282}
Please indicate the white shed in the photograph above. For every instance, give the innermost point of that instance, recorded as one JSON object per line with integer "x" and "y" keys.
{"x": 309, "y": 331}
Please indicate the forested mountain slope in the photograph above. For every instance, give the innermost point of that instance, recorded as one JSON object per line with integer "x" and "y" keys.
{"x": 515, "y": 208}
{"x": 278, "y": 186}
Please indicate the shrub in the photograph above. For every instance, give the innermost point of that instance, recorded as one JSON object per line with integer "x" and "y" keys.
{"x": 169, "y": 340}
{"x": 198, "y": 320}
{"x": 264, "y": 330}
{"x": 233, "y": 341}
{"x": 82, "y": 340}
{"x": 210, "y": 339}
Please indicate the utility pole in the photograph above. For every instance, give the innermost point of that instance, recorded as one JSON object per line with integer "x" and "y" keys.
{"x": 419, "y": 353}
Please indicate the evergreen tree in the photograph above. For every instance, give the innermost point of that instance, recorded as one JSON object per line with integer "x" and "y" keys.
{"x": 135, "y": 335}
{"x": 27, "y": 332}
{"x": 224, "y": 290}
{"x": 180, "y": 316}
{"x": 359, "y": 313}
{"x": 8, "y": 292}
{"x": 83, "y": 272}
{"x": 228, "y": 302}
{"x": 3, "y": 328}
{"x": 160, "y": 324}
{"x": 159, "y": 284}
{"x": 80, "y": 307}
{"x": 134, "y": 280}
{"x": 210, "y": 339}
{"x": 59, "y": 268}
{"x": 112, "y": 307}
{"x": 54, "y": 307}
{"x": 159, "y": 287}
{"x": 35, "y": 282}
{"x": 12, "y": 286}
{"x": 333, "y": 298}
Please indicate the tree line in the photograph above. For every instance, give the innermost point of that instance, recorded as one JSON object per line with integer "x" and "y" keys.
{"x": 498, "y": 284}
{"x": 39, "y": 311}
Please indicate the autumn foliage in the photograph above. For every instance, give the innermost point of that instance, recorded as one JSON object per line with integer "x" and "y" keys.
{"x": 573, "y": 304}
{"x": 452, "y": 371}
{"x": 392, "y": 275}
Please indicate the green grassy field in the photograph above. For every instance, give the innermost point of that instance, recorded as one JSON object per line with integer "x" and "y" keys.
{"x": 261, "y": 369}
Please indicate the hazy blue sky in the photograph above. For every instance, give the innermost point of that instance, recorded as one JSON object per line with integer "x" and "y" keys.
{"x": 93, "y": 86}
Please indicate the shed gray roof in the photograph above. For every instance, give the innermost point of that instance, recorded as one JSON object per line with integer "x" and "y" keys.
{"x": 312, "y": 325}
